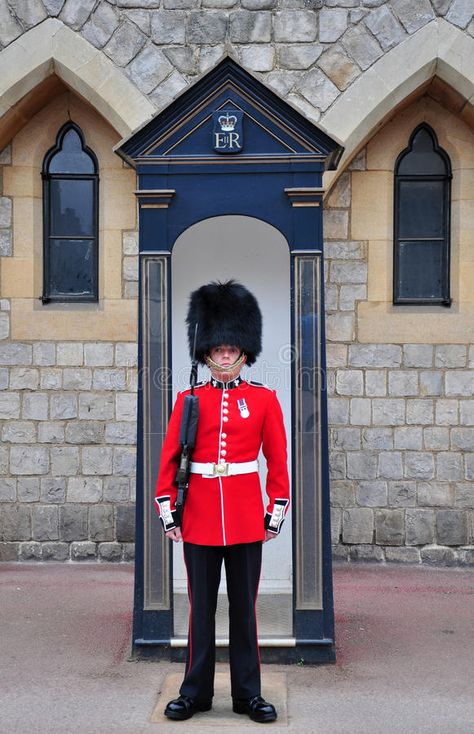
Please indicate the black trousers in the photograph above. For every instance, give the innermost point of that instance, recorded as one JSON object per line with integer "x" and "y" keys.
{"x": 242, "y": 566}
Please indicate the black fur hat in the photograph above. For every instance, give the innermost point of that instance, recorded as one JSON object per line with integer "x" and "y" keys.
{"x": 226, "y": 313}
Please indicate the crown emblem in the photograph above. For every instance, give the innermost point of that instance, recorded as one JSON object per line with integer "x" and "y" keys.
{"x": 227, "y": 122}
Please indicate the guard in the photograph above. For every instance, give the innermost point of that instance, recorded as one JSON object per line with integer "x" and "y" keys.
{"x": 224, "y": 517}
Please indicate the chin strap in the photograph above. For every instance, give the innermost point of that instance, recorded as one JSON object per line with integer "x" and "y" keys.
{"x": 218, "y": 368}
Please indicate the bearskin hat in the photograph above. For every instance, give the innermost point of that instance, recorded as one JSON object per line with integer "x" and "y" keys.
{"x": 226, "y": 313}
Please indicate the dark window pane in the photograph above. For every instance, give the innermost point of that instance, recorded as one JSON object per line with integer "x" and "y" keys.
{"x": 422, "y": 159}
{"x": 421, "y": 207}
{"x": 71, "y": 267}
{"x": 71, "y": 158}
{"x": 72, "y": 208}
{"x": 420, "y": 270}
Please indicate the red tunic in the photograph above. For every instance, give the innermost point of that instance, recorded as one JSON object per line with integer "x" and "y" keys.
{"x": 234, "y": 423}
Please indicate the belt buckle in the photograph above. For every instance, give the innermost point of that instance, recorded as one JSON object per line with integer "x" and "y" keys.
{"x": 221, "y": 470}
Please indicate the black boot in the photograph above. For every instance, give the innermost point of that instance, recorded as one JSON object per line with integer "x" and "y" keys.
{"x": 184, "y": 707}
{"x": 256, "y": 707}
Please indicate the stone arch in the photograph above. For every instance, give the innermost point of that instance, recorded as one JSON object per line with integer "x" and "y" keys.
{"x": 51, "y": 49}
{"x": 439, "y": 49}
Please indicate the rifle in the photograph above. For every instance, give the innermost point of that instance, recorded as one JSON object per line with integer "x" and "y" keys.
{"x": 187, "y": 438}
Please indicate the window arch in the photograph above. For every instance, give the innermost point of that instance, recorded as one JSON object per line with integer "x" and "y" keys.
{"x": 422, "y": 203}
{"x": 70, "y": 219}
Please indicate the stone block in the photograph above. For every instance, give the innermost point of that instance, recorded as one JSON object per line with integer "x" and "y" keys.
{"x": 371, "y": 494}
{"x": 434, "y": 494}
{"x": 345, "y": 439}
{"x": 450, "y": 355}
{"x": 451, "y": 527}
{"x": 101, "y": 523}
{"x": 320, "y": 91}
{"x": 402, "y": 494}
{"x": 464, "y": 495}
{"x": 361, "y": 465}
{"x": 69, "y": 354}
{"x": 459, "y": 382}
{"x": 53, "y": 489}
{"x": 3, "y": 378}
{"x": 50, "y": 432}
{"x": 466, "y": 556}
{"x": 402, "y": 383}
{"x": 336, "y": 524}
{"x": 125, "y": 44}
{"x": 45, "y": 523}
{"x": 460, "y": 13}
{"x": 357, "y": 525}
{"x": 9, "y": 551}
{"x": 128, "y": 551}
{"x": 402, "y": 555}
{"x": 420, "y": 412}
{"x": 130, "y": 267}
{"x": 375, "y": 383}
{"x": 19, "y": 432}
{"x": 73, "y": 522}
{"x": 5, "y": 211}
{"x": 340, "y": 552}
{"x": 298, "y": 56}
{"x": 419, "y": 465}
{"x": 9, "y": 405}
{"x": 126, "y": 407}
{"x": 83, "y": 551}
{"x": 4, "y": 460}
{"x": 184, "y": 60}
{"x": 101, "y": 25}
{"x": 375, "y": 355}
{"x": 125, "y": 523}
{"x": 385, "y": 27}
{"x": 390, "y": 465}
{"x": 35, "y": 406}
{"x": 466, "y": 412}
{"x": 361, "y": 46}
{"x": 449, "y": 465}
{"x": 84, "y": 489}
{"x": 408, "y": 438}
{"x": 340, "y": 327}
{"x": 75, "y": 14}
{"x": 116, "y": 489}
{"x": 331, "y": 297}
{"x": 418, "y": 355}
{"x": 28, "y": 489}
{"x": 436, "y": 438}
{"x": 350, "y": 294}
{"x": 16, "y": 521}
{"x": 389, "y": 527}
{"x": 337, "y": 465}
{"x": 365, "y": 553}
{"x": 348, "y": 272}
{"x": 149, "y": 68}
{"x": 30, "y": 551}
{"x": 257, "y": 57}
{"x": 203, "y": 26}
{"x": 349, "y": 382}
{"x": 77, "y": 379}
{"x": 109, "y": 379}
{"x": 130, "y": 239}
{"x": 338, "y": 411}
{"x": 294, "y": 26}
{"x": 97, "y": 460}
{"x": 54, "y": 551}
{"x": 98, "y": 354}
{"x": 7, "y": 489}
{"x": 388, "y": 411}
{"x": 29, "y": 460}
{"x": 447, "y": 412}
{"x": 96, "y": 406}
{"x": 14, "y": 353}
{"x": 121, "y": 433}
{"x": 343, "y": 249}
{"x": 110, "y": 552}
{"x": 413, "y": 15}
{"x": 44, "y": 354}
{"x": 435, "y": 556}
{"x": 332, "y": 24}
{"x": 462, "y": 438}
{"x": 342, "y": 494}
{"x": 377, "y": 438}
{"x": 51, "y": 379}
{"x": 124, "y": 461}
{"x": 130, "y": 289}
{"x": 336, "y": 355}
{"x": 126, "y": 354}
{"x": 63, "y": 406}
{"x": 9, "y": 27}
{"x": 6, "y": 243}
{"x": 85, "y": 432}
{"x": 259, "y": 4}
{"x": 64, "y": 461}
{"x": 430, "y": 383}
{"x": 360, "y": 411}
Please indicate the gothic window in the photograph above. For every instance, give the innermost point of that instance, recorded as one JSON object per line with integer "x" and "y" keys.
{"x": 421, "y": 222}
{"x": 70, "y": 219}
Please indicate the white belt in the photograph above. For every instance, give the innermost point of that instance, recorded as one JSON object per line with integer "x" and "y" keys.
{"x": 210, "y": 470}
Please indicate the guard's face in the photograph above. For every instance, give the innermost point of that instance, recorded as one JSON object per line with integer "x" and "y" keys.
{"x": 226, "y": 355}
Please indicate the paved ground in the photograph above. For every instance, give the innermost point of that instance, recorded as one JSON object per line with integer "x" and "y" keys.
{"x": 405, "y": 638}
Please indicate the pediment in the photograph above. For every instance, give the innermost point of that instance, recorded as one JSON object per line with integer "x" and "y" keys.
{"x": 230, "y": 114}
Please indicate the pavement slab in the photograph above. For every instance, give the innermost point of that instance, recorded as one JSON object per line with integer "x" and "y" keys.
{"x": 405, "y": 657}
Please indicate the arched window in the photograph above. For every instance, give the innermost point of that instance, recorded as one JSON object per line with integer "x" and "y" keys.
{"x": 421, "y": 221}
{"x": 70, "y": 219}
